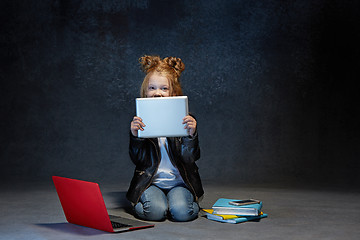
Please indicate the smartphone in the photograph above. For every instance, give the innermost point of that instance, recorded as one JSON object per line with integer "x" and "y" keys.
{"x": 244, "y": 202}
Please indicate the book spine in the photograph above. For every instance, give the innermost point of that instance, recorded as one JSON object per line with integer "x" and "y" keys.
{"x": 236, "y": 211}
{"x": 235, "y": 220}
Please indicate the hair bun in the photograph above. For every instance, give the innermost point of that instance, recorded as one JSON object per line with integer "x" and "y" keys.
{"x": 147, "y": 62}
{"x": 175, "y": 63}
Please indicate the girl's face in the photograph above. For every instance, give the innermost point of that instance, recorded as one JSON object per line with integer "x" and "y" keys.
{"x": 158, "y": 86}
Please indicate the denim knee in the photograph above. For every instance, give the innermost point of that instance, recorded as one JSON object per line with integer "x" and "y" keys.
{"x": 184, "y": 213}
{"x": 152, "y": 211}
{"x": 181, "y": 205}
{"x": 153, "y": 205}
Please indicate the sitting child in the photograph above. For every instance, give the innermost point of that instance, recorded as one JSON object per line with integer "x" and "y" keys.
{"x": 166, "y": 181}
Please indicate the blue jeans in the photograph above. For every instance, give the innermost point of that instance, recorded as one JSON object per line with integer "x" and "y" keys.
{"x": 155, "y": 204}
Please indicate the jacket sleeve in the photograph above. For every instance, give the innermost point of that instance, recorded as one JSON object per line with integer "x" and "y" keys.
{"x": 190, "y": 149}
{"x": 137, "y": 151}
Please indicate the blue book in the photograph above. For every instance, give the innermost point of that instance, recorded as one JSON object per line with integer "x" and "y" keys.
{"x": 239, "y": 219}
{"x": 223, "y": 207}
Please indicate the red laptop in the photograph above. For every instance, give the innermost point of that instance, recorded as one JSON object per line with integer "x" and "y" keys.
{"x": 84, "y": 205}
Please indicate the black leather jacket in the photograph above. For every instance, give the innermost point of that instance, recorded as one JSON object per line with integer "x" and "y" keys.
{"x": 145, "y": 154}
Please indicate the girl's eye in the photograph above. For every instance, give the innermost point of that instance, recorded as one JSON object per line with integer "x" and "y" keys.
{"x": 165, "y": 88}
{"x": 151, "y": 88}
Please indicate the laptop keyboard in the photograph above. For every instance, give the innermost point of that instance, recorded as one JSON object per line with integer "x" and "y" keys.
{"x": 119, "y": 225}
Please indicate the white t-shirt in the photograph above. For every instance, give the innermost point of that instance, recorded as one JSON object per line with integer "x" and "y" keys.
{"x": 167, "y": 175}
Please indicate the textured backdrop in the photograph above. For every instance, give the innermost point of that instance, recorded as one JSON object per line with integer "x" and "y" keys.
{"x": 272, "y": 84}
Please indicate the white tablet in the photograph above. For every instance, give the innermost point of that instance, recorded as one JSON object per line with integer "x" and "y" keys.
{"x": 163, "y": 116}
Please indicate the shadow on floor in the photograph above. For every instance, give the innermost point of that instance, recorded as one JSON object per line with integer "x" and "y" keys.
{"x": 120, "y": 199}
{"x": 71, "y": 229}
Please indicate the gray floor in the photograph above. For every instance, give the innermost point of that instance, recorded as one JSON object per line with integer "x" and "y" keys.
{"x": 33, "y": 211}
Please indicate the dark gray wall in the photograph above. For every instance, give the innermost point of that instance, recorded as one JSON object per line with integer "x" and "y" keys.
{"x": 272, "y": 84}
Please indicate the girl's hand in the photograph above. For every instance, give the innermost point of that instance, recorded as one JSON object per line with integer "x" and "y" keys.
{"x": 190, "y": 124}
{"x": 136, "y": 124}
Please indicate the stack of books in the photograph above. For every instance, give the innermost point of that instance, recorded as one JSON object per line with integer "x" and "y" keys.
{"x": 224, "y": 210}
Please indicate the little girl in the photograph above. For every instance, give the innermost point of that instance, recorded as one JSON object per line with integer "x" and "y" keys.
{"x": 166, "y": 182}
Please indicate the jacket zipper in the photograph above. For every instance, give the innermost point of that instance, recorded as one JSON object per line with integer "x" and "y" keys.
{"x": 187, "y": 179}
{"x": 152, "y": 177}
